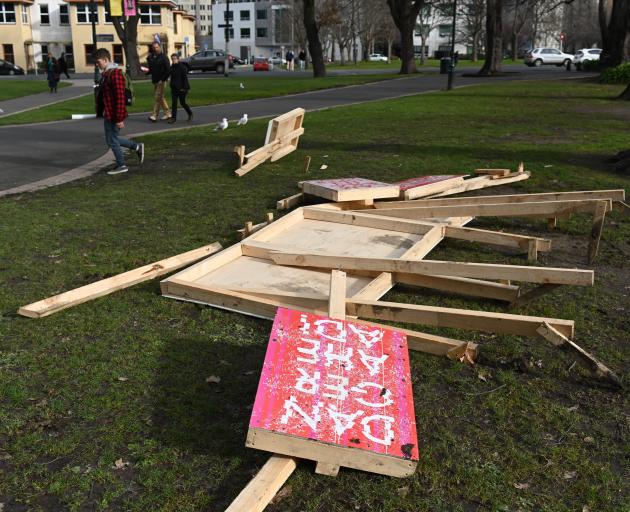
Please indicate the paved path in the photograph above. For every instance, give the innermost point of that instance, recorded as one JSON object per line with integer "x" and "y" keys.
{"x": 44, "y": 154}
{"x": 78, "y": 88}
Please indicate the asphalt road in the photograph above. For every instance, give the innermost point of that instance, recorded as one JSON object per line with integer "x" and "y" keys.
{"x": 35, "y": 152}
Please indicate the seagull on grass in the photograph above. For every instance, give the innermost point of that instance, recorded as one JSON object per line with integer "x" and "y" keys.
{"x": 242, "y": 121}
{"x": 242, "y": 86}
{"x": 222, "y": 125}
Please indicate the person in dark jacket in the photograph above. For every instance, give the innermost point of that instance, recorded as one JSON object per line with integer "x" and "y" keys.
{"x": 63, "y": 65}
{"x": 52, "y": 73}
{"x": 179, "y": 88}
{"x": 159, "y": 69}
{"x": 111, "y": 105}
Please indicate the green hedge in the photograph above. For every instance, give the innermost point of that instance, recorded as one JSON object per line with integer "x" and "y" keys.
{"x": 617, "y": 75}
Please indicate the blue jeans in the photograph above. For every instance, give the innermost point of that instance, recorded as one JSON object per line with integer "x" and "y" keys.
{"x": 115, "y": 142}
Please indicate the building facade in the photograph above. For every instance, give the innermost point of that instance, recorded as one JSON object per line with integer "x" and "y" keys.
{"x": 30, "y": 29}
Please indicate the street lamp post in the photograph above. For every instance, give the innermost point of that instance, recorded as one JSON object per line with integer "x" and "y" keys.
{"x": 226, "y": 65}
{"x": 451, "y": 68}
{"x": 93, "y": 21}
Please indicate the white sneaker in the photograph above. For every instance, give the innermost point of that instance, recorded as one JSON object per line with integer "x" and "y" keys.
{"x": 165, "y": 117}
{"x": 119, "y": 170}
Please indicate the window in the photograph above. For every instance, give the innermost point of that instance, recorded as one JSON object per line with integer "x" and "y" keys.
{"x": 422, "y": 29}
{"x": 118, "y": 54}
{"x": 24, "y": 14}
{"x": 445, "y": 30}
{"x": 261, "y": 32}
{"x": 174, "y": 23}
{"x": 44, "y": 51}
{"x": 7, "y": 49}
{"x": 89, "y": 54}
{"x": 228, "y": 15}
{"x": 7, "y": 12}
{"x": 261, "y": 14}
{"x": 108, "y": 17}
{"x": 203, "y": 28}
{"x": 202, "y": 7}
{"x": 245, "y": 33}
{"x": 245, "y": 15}
{"x": 150, "y": 15}
{"x": 64, "y": 15}
{"x": 85, "y": 16}
{"x": 203, "y": 17}
{"x": 44, "y": 15}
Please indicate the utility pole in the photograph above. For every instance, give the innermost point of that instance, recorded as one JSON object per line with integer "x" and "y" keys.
{"x": 451, "y": 68}
{"x": 228, "y": 25}
{"x": 93, "y": 21}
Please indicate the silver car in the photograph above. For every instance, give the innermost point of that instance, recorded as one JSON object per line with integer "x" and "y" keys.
{"x": 539, "y": 56}
{"x": 586, "y": 54}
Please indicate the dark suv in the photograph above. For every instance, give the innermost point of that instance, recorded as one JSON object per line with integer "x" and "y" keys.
{"x": 207, "y": 60}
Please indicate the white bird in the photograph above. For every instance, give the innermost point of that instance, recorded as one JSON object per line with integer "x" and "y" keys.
{"x": 222, "y": 125}
{"x": 242, "y": 86}
{"x": 242, "y": 121}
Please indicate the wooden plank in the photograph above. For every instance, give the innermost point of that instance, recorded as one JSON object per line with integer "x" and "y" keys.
{"x": 543, "y": 209}
{"x": 337, "y": 296}
{"x": 289, "y": 202}
{"x": 612, "y": 195}
{"x": 260, "y": 155}
{"x": 327, "y": 469}
{"x": 575, "y": 277}
{"x": 104, "y": 287}
{"x": 337, "y": 384}
{"x": 484, "y": 321}
{"x": 376, "y": 288}
{"x": 559, "y": 339}
{"x": 426, "y": 185}
{"x": 264, "y": 486}
{"x": 483, "y": 182}
{"x": 493, "y": 172}
{"x": 596, "y": 231}
{"x": 497, "y": 238}
{"x": 426, "y": 244}
{"x": 349, "y": 189}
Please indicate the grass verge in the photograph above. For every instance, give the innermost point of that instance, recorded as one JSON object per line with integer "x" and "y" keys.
{"x": 11, "y": 88}
{"x": 124, "y": 376}
{"x": 204, "y": 91}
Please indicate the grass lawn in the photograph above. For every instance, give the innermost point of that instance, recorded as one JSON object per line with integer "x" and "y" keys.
{"x": 207, "y": 91}
{"x": 16, "y": 88}
{"x": 395, "y": 64}
{"x": 124, "y": 376}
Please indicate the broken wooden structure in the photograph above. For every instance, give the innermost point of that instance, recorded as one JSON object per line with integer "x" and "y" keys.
{"x": 283, "y": 136}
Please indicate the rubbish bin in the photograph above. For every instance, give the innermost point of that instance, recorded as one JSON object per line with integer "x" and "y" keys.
{"x": 445, "y": 63}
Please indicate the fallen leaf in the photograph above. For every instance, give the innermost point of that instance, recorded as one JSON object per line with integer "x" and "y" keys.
{"x": 521, "y": 486}
{"x": 539, "y": 363}
{"x": 323, "y": 167}
{"x": 213, "y": 379}
{"x": 574, "y": 408}
{"x": 482, "y": 376}
{"x": 123, "y": 379}
{"x": 569, "y": 475}
{"x": 403, "y": 491}
{"x": 589, "y": 439}
{"x": 120, "y": 464}
{"x": 250, "y": 372}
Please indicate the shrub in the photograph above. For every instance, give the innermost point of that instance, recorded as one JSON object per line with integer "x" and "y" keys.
{"x": 617, "y": 75}
{"x": 590, "y": 65}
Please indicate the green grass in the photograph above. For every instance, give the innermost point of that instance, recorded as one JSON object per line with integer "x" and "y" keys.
{"x": 207, "y": 91}
{"x": 66, "y": 415}
{"x": 395, "y": 64}
{"x": 16, "y": 88}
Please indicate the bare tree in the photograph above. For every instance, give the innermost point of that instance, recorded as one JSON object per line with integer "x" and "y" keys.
{"x": 405, "y": 14}
{"x": 429, "y": 18}
{"x": 517, "y": 15}
{"x": 368, "y": 24}
{"x": 473, "y": 13}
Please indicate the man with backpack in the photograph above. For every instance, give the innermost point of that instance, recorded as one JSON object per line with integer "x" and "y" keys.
{"x": 159, "y": 69}
{"x": 111, "y": 105}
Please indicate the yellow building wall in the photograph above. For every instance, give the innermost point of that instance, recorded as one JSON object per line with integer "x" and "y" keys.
{"x": 20, "y": 36}
{"x": 82, "y": 35}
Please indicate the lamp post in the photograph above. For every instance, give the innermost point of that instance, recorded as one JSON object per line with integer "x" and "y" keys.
{"x": 451, "y": 68}
{"x": 228, "y": 25}
{"x": 93, "y": 12}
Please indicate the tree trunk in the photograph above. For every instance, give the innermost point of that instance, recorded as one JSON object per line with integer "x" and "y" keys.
{"x": 514, "y": 46}
{"x": 390, "y": 43}
{"x": 314, "y": 44}
{"x": 614, "y": 32}
{"x": 494, "y": 38}
{"x": 475, "y": 48}
{"x": 423, "y": 57}
{"x": 128, "y": 35}
{"x": 405, "y": 14}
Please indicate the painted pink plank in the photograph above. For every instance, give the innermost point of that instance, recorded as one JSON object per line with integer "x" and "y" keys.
{"x": 348, "y": 183}
{"x": 337, "y": 382}
{"x": 420, "y": 181}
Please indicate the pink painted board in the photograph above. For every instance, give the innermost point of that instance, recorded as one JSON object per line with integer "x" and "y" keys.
{"x": 348, "y": 183}
{"x": 129, "y": 7}
{"x": 350, "y": 189}
{"x": 337, "y": 382}
{"x": 421, "y": 181}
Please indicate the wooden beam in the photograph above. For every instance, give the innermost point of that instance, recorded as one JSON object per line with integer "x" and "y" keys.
{"x": 289, "y": 202}
{"x": 484, "y": 321}
{"x": 274, "y": 150}
{"x": 434, "y": 267}
{"x": 337, "y": 295}
{"x": 612, "y": 195}
{"x": 493, "y": 172}
{"x": 458, "y": 286}
{"x": 497, "y": 238}
{"x": 112, "y": 284}
{"x": 544, "y": 209}
{"x": 264, "y": 486}
{"x": 596, "y": 231}
{"x": 483, "y": 182}
{"x": 558, "y": 339}
{"x": 426, "y": 244}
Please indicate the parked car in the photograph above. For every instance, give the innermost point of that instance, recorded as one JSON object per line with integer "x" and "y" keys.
{"x": 261, "y": 64}
{"x": 237, "y": 60}
{"x": 8, "y": 68}
{"x": 585, "y": 54}
{"x": 277, "y": 60}
{"x": 539, "y": 56}
{"x": 207, "y": 60}
{"x": 377, "y": 57}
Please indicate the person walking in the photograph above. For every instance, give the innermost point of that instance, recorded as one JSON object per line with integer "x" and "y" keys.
{"x": 52, "y": 73}
{"x": 290, "y": 58}
{"x": 111, "y": 105}
{"x": 63, "y": 65}
{"x": 179, "y": 88}
{"x": 302, "y": 59}
{"x": 159, "y": 69}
